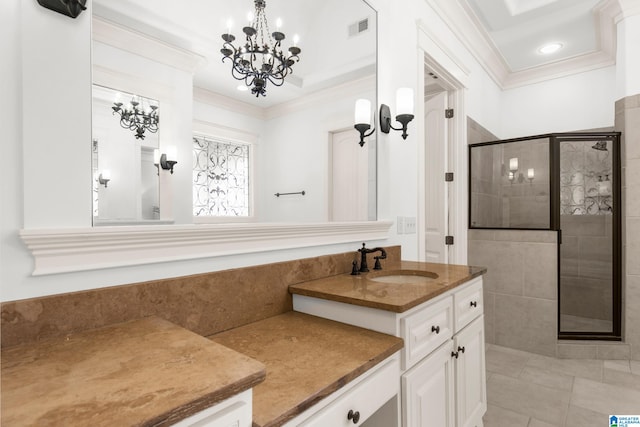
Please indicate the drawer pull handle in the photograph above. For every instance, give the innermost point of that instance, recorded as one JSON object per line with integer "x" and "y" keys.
{"x": 473, "y": 303}
{"x": 353, "y": 416}
{"x": 455, "y": 354}
{"x": 435, "y": 329}
{"x": 461, "y": 349}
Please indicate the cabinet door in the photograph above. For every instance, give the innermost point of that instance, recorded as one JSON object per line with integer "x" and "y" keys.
{"x": 428, "y": 391}
{"x": 471, "y": 394}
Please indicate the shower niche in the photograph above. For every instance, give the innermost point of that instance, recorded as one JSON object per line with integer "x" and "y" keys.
{"x": 569, "y": 183}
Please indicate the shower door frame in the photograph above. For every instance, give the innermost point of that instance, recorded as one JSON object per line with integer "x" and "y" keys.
{"x": 616, "y": 188}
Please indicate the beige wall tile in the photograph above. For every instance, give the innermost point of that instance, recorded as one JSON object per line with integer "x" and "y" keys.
{"x": 577, "y": 351}
{"x": 632, "y": 314}
{"x": 489, "y": 316}
{"x": 528, "y": 324}
{"x": 534, "y": 236}
{"x": 504, "y": 265}
{"x": 633, "y": 246}
{"x": 541, "y": 270}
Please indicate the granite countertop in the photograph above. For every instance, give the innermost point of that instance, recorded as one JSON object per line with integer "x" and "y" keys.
{"x": 361, "y": 290}
{"x": 143, "y": 372}
{"x": 307, "y": 358}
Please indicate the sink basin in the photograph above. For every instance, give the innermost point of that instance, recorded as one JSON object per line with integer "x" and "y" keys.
{"x": 403, "y": 277}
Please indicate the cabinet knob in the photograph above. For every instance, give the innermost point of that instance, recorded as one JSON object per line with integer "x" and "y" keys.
{"x": 455, "y": 354}
{"x": 473, "y": 303}
{"x": 353, "y": 416}
{"x": 461, "y": 349}
{"x": 435, "y": 329}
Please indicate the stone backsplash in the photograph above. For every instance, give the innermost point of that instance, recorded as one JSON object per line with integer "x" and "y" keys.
{"x": 204, "y": 303}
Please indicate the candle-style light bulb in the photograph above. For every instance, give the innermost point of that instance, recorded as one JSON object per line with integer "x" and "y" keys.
{"x": 404, "y": 101}
{"x": 362, "y": 112}
{"x": 513, "y": 164}
{"x": 296, "y": 39}
{"x": 278, "y": 24}
{"x": 229, "y": 25}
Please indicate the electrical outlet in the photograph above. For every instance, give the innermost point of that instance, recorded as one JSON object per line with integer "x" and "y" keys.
{"x": 400, "y": 224}
{"x": 410, "y": 225}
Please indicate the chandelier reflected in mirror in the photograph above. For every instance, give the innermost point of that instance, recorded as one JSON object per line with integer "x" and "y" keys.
{"x": 261, "y": 59}
{"x": 137, "y": 117}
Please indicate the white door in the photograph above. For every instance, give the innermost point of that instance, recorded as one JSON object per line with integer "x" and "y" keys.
{"x": 349, "y": 177}
{"x": 436, "y": 200}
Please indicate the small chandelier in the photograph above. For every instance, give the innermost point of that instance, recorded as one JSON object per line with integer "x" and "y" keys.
{"x": 136, "y": 118}
{"x": 260, "y": 60}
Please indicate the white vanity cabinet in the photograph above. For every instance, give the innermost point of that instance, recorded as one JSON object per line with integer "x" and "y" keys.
{"x": 233, "y": 412}
{"x": 443, "y": 380}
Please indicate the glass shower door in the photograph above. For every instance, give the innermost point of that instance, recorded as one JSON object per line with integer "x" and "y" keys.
{"x": 589, "y": 220}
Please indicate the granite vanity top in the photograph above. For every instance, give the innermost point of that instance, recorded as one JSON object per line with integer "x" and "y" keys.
{"x": 143, "y": 372}
{"x": 307, "y": 359}
{"x": 361, "y": 290}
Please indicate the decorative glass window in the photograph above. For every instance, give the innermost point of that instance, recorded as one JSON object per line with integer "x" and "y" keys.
{"x": 220, "y": 178}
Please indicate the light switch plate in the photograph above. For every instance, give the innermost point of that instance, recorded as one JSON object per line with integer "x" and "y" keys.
{"x": 410, "y": 225}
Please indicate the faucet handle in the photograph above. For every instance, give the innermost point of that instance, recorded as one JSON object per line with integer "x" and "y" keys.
{"x": 377, "y": 265}
{"x": 354, "y": 268}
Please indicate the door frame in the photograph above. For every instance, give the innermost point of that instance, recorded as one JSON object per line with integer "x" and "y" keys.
{"x": 453, "y": 76}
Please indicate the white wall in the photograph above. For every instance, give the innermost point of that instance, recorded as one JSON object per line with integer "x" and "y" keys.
{"x": 572, "y": 103}
{"x": 628, "y": 67}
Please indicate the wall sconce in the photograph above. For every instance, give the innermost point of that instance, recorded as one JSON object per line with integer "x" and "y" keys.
{"x": 404, "y": 105}
{"x": 363, "y": 119}
{"x": 513, "y": 171}
{"x": 167, "y": 160}
{"x": 71, "y": 8}
{"x": 104, "y": 177}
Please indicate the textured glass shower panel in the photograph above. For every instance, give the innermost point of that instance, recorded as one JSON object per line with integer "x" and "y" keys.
{"x": 220, "y": 178}
{"x": 585, "y": 178}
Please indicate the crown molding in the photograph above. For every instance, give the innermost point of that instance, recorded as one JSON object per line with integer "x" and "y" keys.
{"x": 81, "y": 249}
{"x": 465, "y": 24}
{"x": 107, "y": 32}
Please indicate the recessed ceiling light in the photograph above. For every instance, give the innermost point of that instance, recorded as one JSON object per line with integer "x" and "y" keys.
{"x": 242, "y": 88}
{"x": 550, "y": 48}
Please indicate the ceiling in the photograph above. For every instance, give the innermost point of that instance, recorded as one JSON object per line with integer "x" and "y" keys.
{"x": 327, "y": 57}
{"x": 506, "y": 35}
{"x": 519, "y": 28}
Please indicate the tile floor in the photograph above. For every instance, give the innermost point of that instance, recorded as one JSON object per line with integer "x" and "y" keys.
{"x": 530, "y": 390}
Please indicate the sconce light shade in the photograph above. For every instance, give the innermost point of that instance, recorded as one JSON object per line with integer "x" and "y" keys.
{"x": 362, "y": 119}
{"x": 530, "y": 173}
{"x": 168, "y": 159}
{"x": 513, "y": 164}
{"x": 404, "y": 105}
{"x": 71, "y": 8}
{"x": 104, "y": 177}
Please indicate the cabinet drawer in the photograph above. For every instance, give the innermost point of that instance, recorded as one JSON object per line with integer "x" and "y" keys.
{"x": 469, "y": 303}
{"x": 233, "y": 412}
{"x": 365, "y": 398}
{"x": 425, "y": 330}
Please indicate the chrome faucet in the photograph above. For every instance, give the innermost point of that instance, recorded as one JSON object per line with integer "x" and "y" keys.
{"x": 363, "y": 258}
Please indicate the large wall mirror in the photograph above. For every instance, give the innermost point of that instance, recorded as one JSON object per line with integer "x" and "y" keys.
{"x": 297, "y": 138}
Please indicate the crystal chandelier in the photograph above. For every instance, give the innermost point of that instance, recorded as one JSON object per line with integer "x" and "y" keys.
{"x": 260, "y": 60}
{"x": 136, "y": 118}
